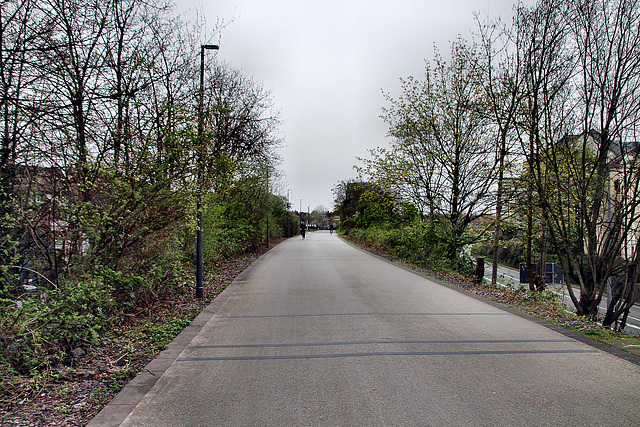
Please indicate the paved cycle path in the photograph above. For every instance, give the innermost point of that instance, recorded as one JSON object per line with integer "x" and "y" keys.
{"x": 318, "y": 332}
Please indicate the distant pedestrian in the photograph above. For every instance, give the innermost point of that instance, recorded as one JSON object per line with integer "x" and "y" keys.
{"x": 303, "y": 228}
{"x": 331, "y": 228}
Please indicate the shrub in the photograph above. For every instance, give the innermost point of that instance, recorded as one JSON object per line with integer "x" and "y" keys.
{"x": 347, "y": 225}
{"x": 125, "y": 288}
{"x": 77, "y": 312}
{"x": 154, "y": 271}
{"x": 42, "y": 331}
{"x": 420, "y": 244}
{"x": 224, "y": 243}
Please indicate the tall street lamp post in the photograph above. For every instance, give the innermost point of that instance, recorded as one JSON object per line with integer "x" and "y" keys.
{"x": 268, "y": 206}
{"x": 288, "y": 226}
{"x": 199, "y": 291}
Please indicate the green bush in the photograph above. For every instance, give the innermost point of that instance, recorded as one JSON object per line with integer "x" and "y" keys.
{"x": 154, "y": 271}
{"x": 41, "y": 331}
{"x": 125, "y": 288}
{"x": 420, "y": 244}
{"x": 224, "y": 243}
{"x": 347, "y": 225}
{"x": 275, "y": 229}
{"x": 77, "y": 312}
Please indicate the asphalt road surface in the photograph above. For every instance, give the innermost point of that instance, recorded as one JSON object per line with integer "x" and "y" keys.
{"x": 320, "y": 333}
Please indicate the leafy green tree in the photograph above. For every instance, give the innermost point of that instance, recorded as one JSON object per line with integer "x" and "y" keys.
{"x": 375, "y": 210}
{"x": 347, "y": 195}
{"x": 441, "y": 154}
{"x": 236, "y": 216}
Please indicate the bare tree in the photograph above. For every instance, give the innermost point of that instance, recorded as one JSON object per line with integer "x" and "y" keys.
{"x": 19, "y": 110}
{"x": 547, "y": 67}
{"x": 502, "y": 77}
{"x": 72, "y": 64}
{"x": 98, "y": 110}
{"x": 168, "y": 103}
{"x": 581, "y": 65}
{"x": 403, "y": 171}
{"x": 14, "y": 35}
{"x": 606, "y": 35}
{"x": 104, "y": 77}
{"x": 242, "y": 123}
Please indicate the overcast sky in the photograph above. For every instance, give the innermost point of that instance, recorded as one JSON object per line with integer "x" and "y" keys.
{"x": 326, "y": 64}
